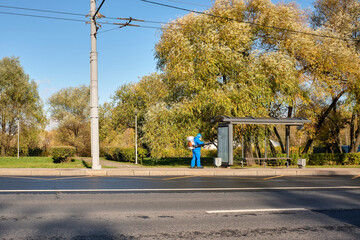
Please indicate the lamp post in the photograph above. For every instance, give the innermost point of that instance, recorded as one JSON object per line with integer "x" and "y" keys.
{"x": 136, "y": 113}
{"x": 18, "y": 143}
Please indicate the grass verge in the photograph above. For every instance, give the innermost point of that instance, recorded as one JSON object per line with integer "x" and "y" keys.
{"x": 39, "y": 162}
{"x": 48, "y": 162}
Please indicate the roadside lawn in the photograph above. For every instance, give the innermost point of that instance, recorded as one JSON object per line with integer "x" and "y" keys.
{"x": 39, "y": 162}
{"x": 209, "y": 162}
{"x": 48, "y": 162}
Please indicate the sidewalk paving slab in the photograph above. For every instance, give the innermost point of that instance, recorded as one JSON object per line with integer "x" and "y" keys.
{"x": 120, "y": 172}
{"x": 245, "y": 172}
{"x": 286, "y": 172}
{"x": 167, "y": 173}
{"x": 96, "y": 172}
{"x": 72, "y": 172}
{"x": 45, "y": 172}
{"x": 141, "y": 172}
{"x": 179, "y": 172}
{"x": 15, "y": 172}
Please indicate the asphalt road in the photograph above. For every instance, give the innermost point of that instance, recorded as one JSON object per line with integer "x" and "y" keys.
{"x": 180, "y": 207}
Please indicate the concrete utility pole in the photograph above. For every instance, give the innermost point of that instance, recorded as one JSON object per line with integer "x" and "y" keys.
{"x": 94, "y": 111}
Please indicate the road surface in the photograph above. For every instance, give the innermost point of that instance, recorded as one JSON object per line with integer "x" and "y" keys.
{"x": 187, "y": 207}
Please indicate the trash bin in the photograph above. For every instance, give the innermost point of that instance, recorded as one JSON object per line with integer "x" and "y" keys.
{"x": 301, "y": 162}
{"x": 217, "y": 162}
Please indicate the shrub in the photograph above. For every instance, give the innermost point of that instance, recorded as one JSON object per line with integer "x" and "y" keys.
{"x": 35, "y": 152}
{"x": 110, "y": 153}
{"x": 62, "y": 153}
{"x": 124, "y": 154}
{"x": 326, "y": 158}
{"x": 128, "y": 154}
{"x": 352, "y": 158}
{"x": 208, "y": 153}
{"x": 334, "y": 159}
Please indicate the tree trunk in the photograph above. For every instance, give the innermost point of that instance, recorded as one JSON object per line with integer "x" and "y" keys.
{"x": 3, "y": 141}
{"x": 269, "y": 143}
{"x": 257, "y": 147}
{"x": 2, "y": 145}
{"x": 272, "y": 148}
{"x": 354, "y": 133}
{"x": 279, "y": 139}
{"x": 321, "y": 120}
{"x": 357, "y": 142}
{"x": 248, "y": 153}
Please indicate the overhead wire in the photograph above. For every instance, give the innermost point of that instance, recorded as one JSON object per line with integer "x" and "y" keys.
{"x": 194, "y": 4}
{"x": 79, "y": 14}
{"x": 48, "y": 17}
{"x": 247, "y": 22}
{"x": 150, "y": 21}
{"x": 42, "y": 10}
{"x": 145, "y": 21}
{"x": 78, "y": 20}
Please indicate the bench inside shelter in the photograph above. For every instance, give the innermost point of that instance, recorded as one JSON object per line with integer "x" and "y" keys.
{"x": 266, "y": 160}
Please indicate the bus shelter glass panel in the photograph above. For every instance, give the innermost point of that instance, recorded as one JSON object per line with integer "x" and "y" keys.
{"x": 225, "y": 144}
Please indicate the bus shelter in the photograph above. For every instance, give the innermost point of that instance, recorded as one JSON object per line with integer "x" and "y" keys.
{"x": 225, "y": 133}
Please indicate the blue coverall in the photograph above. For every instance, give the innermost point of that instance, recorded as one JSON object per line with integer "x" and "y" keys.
{"x": 196, "y": 152}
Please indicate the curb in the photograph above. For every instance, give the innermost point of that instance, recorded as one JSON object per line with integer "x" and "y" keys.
{"x": 179, "y": 172}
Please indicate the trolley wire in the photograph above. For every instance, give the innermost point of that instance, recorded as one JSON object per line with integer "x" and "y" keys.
{"x": 48, "y": 17}
{"x": 149, "y": 21}
{"x": 79, "y": 20}
{"x": 247, "y": 22}
{"x": 75, "y": 14}
{"x": 194, "y": 4}
{"x": 42, "y": 10}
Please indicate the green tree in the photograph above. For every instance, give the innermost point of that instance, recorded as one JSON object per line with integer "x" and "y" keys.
{"x": 334, "y": 65}
{"x": 343, "y": 17}
{"x": 70, "y": 109}
{"x": 117, "y": 117}
{"x": 216, "y": 66}
{"x": 19, "y": 101}
{"x": 324, "y": 59}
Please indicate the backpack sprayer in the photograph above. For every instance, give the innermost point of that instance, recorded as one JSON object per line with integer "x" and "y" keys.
{"x": 191, "y": 144}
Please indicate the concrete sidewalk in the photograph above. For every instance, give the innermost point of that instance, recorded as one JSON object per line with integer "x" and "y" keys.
{"x": 180, "y": 172}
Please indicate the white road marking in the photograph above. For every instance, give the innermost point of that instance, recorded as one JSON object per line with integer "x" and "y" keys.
{"x": 258, "y": 210}
{"x": 176, "y": 189}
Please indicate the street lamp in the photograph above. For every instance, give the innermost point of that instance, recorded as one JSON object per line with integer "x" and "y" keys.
{"x": 18, "y": 143}
{"x": 136, "y": 113}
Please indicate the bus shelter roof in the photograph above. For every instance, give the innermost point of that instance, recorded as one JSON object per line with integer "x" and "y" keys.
{"x": 270, "y": 121}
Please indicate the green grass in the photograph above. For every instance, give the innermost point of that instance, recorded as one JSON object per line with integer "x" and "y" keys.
{"x": 39, "y": 162}
{"x": 48, "y": 162}
{"x": 333, "y": 166}
{"x": 209, "y": 162}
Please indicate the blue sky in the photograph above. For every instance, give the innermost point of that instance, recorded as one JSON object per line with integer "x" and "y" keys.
{"x": 55, "y": 53}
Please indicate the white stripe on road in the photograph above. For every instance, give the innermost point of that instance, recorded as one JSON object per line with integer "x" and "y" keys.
{"x": 177, "y": 189}
{"x": 258, "y": 210}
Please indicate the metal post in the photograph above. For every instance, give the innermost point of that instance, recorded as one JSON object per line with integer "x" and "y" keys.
{"x": 265, "y": 150}
{"x": 18, "y": 146}
{"x": 231, "y": 139}
{"x": 94, "y": 112}
{"x": 136, "y": 112}
{"x": 287, "y": 144}
{"x": 287, "y": 141}
{"x": 242, "y": 147}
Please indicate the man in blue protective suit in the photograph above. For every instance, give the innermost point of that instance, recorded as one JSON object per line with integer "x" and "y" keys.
{"x": 197, "y": 151}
